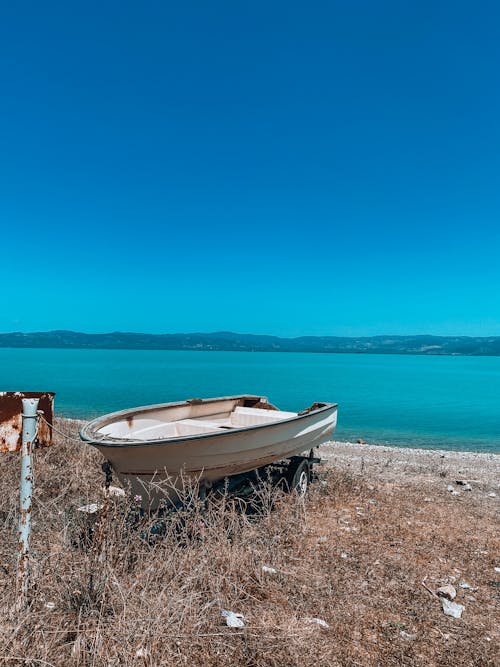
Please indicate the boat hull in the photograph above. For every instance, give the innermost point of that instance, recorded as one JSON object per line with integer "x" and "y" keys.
{"x": 158, "y": 470}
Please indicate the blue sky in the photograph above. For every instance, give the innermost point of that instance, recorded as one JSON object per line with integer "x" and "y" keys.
{"x": 267, "y": 167}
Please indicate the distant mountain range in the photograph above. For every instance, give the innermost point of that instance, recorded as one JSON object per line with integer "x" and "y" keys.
{"x": 228, "y": 341}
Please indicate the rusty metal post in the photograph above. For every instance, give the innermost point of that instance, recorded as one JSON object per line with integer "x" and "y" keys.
{"x": 30, "y": 406}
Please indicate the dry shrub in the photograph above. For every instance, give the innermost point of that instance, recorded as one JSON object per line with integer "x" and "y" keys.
{"x": 351, "y": 553}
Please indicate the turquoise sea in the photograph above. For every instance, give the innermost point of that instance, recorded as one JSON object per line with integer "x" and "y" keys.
{"x": 414, "y": 401}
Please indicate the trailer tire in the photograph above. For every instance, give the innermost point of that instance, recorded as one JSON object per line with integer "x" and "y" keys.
{"x": 300, "y": 478}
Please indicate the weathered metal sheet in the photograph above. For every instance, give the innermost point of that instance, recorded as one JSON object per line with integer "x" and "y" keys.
{"x": 11, "y": 420}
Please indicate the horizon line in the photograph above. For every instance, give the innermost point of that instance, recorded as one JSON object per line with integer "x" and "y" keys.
{"x": 240, "y": 333}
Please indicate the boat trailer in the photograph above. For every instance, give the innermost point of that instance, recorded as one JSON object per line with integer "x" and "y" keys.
{"x": 292, "y": 474}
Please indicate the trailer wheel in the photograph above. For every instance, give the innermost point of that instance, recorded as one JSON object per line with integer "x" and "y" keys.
{"x": 300, "y": 478}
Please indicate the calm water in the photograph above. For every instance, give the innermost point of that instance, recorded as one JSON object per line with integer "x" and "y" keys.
{"x": 449, "y": 402}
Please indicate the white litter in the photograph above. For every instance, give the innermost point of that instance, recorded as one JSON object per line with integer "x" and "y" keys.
{"x": 317, "y": 621}
{"x": 467, "y": 587}
{"x": 233, "y": 620}
{"x": 269, "y": 570}
{"x": 406, "y": 635}
{"x": 447, "y": 591}
{"x": 450, "y": 488}
{"x": 50, "y": 605}
{"x": 115, "y": 491}
{"x": 91, "y": 508}
{"x": 77, "y": 646}
{"x": 142, "y": 653}
{"x": 452, "y": 608}
{"x": 497, "y": 570}
{"x": 492, "y": 495}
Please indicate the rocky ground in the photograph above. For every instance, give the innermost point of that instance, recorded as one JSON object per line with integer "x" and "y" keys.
{"x": 424, "y": 468}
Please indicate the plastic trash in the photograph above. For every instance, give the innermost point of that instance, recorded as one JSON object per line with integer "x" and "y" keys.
{"x": 266, "y": 569}
{"x": 447, "y": 591}
{"x": 233, "y": 620}
{"x": 467, "y": 587}
{"x": 452, "y": 608}
{"x": 115, "y": 491}
{"x": 317, "y": 621}
{"x": 91, "y": 508}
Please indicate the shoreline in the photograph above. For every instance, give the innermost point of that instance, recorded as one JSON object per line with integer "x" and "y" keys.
{"x": 428, "y": 467}
{"x": 368, "y": 446}
{"x": 393, "y": 463}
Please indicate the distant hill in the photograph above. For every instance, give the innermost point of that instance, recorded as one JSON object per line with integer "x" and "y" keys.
{"x": 228, "y": 341}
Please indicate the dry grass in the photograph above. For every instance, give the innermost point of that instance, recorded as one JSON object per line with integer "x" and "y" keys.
{"x": 354, "y": 553}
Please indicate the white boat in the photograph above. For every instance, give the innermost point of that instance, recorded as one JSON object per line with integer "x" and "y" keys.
{"x": 153, "y": 449}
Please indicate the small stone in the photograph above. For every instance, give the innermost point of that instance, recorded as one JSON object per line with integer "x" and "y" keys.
{"x": 452, "y": 608}
{"x": 497, "y": 570}
{"x": 467, "y": 487}
{"x": 492, "y": 495}
{"x": 455, "y": 493}
{"x": 142, "y": 653}
{"x": 343, "y": 555}
{"x": 427, "y": 500}
{"x": 450, "y": 488}
{"x": 447, "y": 592}
{"x": 406, "y": 635}
{"x": 50, "y": 605}
{"x": 269, "y": 570}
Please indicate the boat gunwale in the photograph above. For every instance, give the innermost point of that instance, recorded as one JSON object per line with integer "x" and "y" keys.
{"x": 186, "y": 438}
